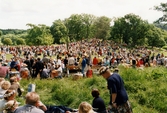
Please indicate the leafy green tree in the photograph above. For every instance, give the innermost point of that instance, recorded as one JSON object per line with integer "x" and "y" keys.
{"x": 39, "y": 35}
{"x": 80, "y": 26}
{"x": 130, "y": 29}
{"x": 20, "y": 41}
{"x": 11, "y": 36}
{"x": 1, "y": 33}
{"x": 164, "y": 35}
{"x": 74, "y": 25}
{"x": 161, "y": 25}
{"x": 163, "y": 8}
{"x": 7, "y": 41}
{"x": 155, "y": 37}
{"x": 13, "y": 31}
{"x": 118, "y": 31}
{"x": 102, "y": 27}
{"x": 88, "y": 25}
{"x": 58, "y": 30}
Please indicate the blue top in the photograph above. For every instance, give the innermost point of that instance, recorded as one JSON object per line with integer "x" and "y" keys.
{"x": 84, "y": 62}
{"x": 116, "y": 85}
{"x": 99, "y": 104}
{"x": 12, "y": 64}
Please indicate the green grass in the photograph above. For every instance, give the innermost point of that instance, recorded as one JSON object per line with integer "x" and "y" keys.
{"x": 146, "y": 89}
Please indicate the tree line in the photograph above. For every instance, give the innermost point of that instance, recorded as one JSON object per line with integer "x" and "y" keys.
{"x": 130, "y": 29}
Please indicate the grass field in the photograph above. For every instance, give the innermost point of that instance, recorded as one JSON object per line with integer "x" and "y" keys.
{"x": 146, "y": 89}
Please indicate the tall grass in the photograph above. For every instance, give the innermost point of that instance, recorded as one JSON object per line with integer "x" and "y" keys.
{"x": 146, "y": 89}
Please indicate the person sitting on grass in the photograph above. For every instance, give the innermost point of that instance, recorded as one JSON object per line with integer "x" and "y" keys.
{"x": 60, "y": 71}
{"x": 15, "y": 85}
{"x": 98, "y": 103}
{"x": 9, "y": 95}
{"x": 33, "y": 104}
{"x": 4, "y": 87}
{"x": 84, "y": 107}
{"x": 11, "y": 106}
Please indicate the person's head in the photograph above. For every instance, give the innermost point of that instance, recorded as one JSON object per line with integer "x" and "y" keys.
{"x": 27, "y": 57}
{"x": 10, "y": 106}
{"x": 32, "y": 98}
{"x": 85, "y": 107}
{"x": 83, "y": 56}
{"x": 9, "y": 94}
{"x": 105, "y": 72}
{"x": 13, "y": 79}
{"x": 5, "y": 85}
{"x": 95, "y": 93}
{"x": 38, "y": 58}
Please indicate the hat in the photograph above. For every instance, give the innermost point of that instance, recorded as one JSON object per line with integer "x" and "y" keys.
{"x": 10, "y": 104}
{"x": 116, "y": 69}
{"x": 9, "y": 94}
{"x": 102, "y": 70}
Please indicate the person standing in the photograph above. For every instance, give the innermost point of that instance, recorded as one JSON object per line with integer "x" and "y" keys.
{"x": 28, "y": 63}
{"x": 39, "y": 66}
{"x": 83, "y": 64}
{"x": 118, "y": 96}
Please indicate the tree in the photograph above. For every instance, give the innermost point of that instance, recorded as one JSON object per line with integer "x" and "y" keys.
{"x": 12, "y": 31}
{"x": 130, "y": 29}
{"x": 11, "y": 36}
{"x": 88, "y": 28}
{"x": 155, "y": 37}
{"x": 20, "y": 41}
{"x": 7, "y": 41}
{"x": 163, "y": 8}
{"x": 58, "y": 30}
{"x": 39, "y": 35}
{"x": 1, "y": 33}
{"x": 74, "y": 25}
{"x": 102, "y": 27}
{"x": 80, "y": 26}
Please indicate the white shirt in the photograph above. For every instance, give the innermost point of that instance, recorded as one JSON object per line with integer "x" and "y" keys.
{"x": 2, "y": 105}
{"x": 60, "y": 69}
{"x": 71, "y": 61}
{"x": 58, "y": 62}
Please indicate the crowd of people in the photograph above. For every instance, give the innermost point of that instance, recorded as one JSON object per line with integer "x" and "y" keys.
{"x": 81, "y": 56}
{"x": 57, "y": 62}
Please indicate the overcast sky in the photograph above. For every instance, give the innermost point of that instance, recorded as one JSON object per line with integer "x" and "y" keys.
{"x": 15, "y": 14}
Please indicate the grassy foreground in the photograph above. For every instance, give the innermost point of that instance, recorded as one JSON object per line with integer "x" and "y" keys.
{"x": 146, "y": 89}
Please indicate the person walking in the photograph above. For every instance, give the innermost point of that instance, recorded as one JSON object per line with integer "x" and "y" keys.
{"x": 118, "y": 96}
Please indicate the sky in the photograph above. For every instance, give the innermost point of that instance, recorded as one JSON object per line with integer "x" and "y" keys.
{"x": 15, "y": 14}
